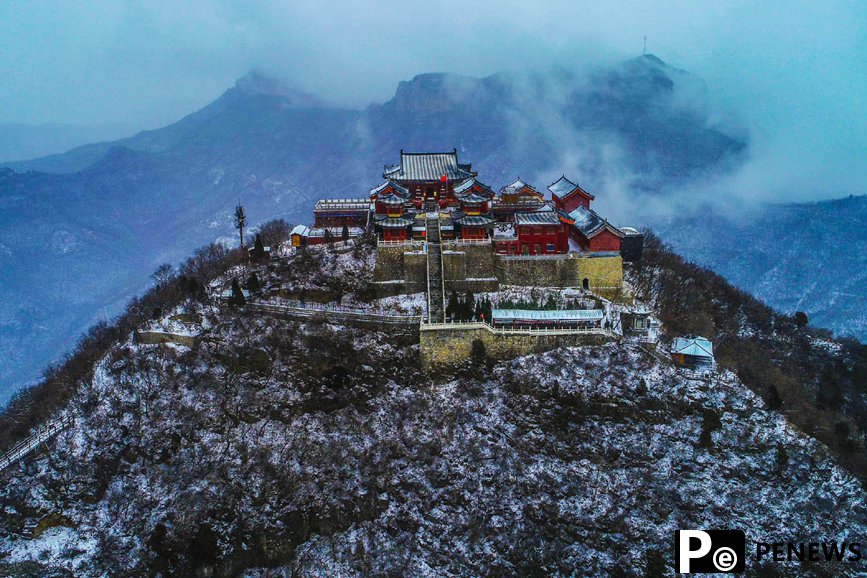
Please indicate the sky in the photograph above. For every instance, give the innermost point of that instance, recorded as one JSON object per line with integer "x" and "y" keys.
{"x": 794, "y": 74}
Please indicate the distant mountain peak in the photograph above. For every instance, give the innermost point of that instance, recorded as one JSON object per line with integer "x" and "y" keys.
{"x": 258, "y": 82}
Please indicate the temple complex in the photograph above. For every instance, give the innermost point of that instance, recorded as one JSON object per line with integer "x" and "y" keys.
{"x": 518, "y": 236}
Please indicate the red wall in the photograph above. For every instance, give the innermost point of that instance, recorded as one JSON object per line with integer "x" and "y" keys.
{"x": 605, "y": 241}
{"x": 571, "y": 203}
{"x": 324, "y": 219}
{"x": 473, "y": 233}
{"x": 394, "y": 234}
{"x": 531, "y": 235}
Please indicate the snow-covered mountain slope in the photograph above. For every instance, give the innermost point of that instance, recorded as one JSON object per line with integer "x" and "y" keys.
{"x": 270, "y": 446}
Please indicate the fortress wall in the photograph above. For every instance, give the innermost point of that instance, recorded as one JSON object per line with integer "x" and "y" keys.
{"x": 154, "y": 337}
{"x": 451, "y": 345}
{"x": 605, "y": 275}
{"x": 400, "y": 269}
{"x": 560, "y": 271}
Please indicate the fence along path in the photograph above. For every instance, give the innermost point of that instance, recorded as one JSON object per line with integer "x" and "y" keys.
{"x": 43, "y": 433}
{"x": 305, "y": 310}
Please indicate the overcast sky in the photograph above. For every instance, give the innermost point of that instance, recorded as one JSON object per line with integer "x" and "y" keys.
{"x": 796, "y": 72}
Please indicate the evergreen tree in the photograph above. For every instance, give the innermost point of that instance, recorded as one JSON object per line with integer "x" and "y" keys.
{"x": 550, "y": 303}
{"x": 801, "y": 319}
{"x": 485, "y": 310}
{"x": 259, "y": 247}
{"x": 774, "y": 400}
{"x": 344, "y": 234}
{"x": 237, "y": 297}
{"x": 453, "y": 307}
{"x": 253, "y": 284}
{"x": 469, "y": 306}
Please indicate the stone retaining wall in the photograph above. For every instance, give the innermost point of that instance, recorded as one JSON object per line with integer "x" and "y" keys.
{"x": 154, "y": 337}
{"x": 443, "y": 346}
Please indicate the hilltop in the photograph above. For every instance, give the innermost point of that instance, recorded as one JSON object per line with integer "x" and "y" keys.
{"x": 270, "y": 445}
{"x": 80, "y": 232}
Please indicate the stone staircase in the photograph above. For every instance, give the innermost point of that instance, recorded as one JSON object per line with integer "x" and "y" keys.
{"x": 436, "y": 300}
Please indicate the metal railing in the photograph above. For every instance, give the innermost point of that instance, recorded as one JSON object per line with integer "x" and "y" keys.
{"x": 42, "y": 434}
{"x": 468, "y": 325}
{"x": 468, "y": 242}
{"x": 408, "y": 243}
{"x": 309, "y": 310}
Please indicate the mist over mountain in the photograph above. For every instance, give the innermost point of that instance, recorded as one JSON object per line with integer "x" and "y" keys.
{"x": 81, "y": 231}
{"x": 19, "y": 141}
{"x": 809, "y": 257}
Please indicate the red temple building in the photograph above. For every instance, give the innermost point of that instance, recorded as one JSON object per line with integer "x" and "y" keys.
{"x": 390, "y": 214}
{"x": 592, "y": 233}
{"x": 542, "y": 232}
{"x": 429, "y": 176}
{"x": 517, "y": 221}
{"x": 340, "y": 212}
{"x": 568, "y": 196}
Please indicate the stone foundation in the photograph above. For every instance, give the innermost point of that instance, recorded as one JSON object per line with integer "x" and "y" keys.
{"x": 449, "y": 345}
{"x": 476, "y": 268}
{"x": 400, "y": 269}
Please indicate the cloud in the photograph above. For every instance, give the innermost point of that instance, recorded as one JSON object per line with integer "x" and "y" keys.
{"x": 793, "y": 74}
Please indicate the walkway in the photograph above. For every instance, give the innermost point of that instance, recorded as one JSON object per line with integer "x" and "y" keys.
{"x": 435, "y": 292}
{"x": 332, "y": 312}
{"x": 28, "y": 445}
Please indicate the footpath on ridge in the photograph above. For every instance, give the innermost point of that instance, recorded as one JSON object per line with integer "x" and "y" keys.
{"x": 436, "y": 300}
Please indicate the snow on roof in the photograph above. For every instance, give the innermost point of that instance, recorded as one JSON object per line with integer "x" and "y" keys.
{"x": 474, "y": 198}
{"x": 589, "y": 222}
{"x": 428, "y": 167}
{"x": 390, "y": 200}
{"x": 394, "y": 222}
{"x": 464, "y": 185}
{"x": 402, "y": 191}
{"x": 562, "y": 187}
{"x": 693, "y": 346}
{"x": 550, "y": 315}
{"x": 302, "y": 230}
{"x": 474, "y": 221}
{"x": 341, "y": 204}
{"x": 537, "y": 218}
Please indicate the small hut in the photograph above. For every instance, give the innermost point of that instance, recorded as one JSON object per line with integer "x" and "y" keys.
{"x": 692, "y": 352}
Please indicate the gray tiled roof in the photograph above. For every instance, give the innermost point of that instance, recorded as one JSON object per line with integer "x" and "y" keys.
{"x": 562, "y": 187}
{"x": 393, "y": 222}
{"x": 390, "y": 200}
{"x": 537, "y": 218}
{"x": 548, "y": 315}
{"x": 401, "y": 191}
{"x": 474, "y": 221}
{"x": 587, "y": 221}
{"x": 474, "y": 198}
{"x": 341, "y": 204}
{"x": 428, "y": 167}
{"x": 467, "y": 186}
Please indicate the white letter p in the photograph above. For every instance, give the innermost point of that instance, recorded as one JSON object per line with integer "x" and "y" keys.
{"x": 684, "y": 537}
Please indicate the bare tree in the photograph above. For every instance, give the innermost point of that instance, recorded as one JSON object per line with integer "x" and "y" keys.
{"x": 163, "y": 274}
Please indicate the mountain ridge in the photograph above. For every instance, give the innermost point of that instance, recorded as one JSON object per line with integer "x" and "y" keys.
{"x": 175, "y": 188}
